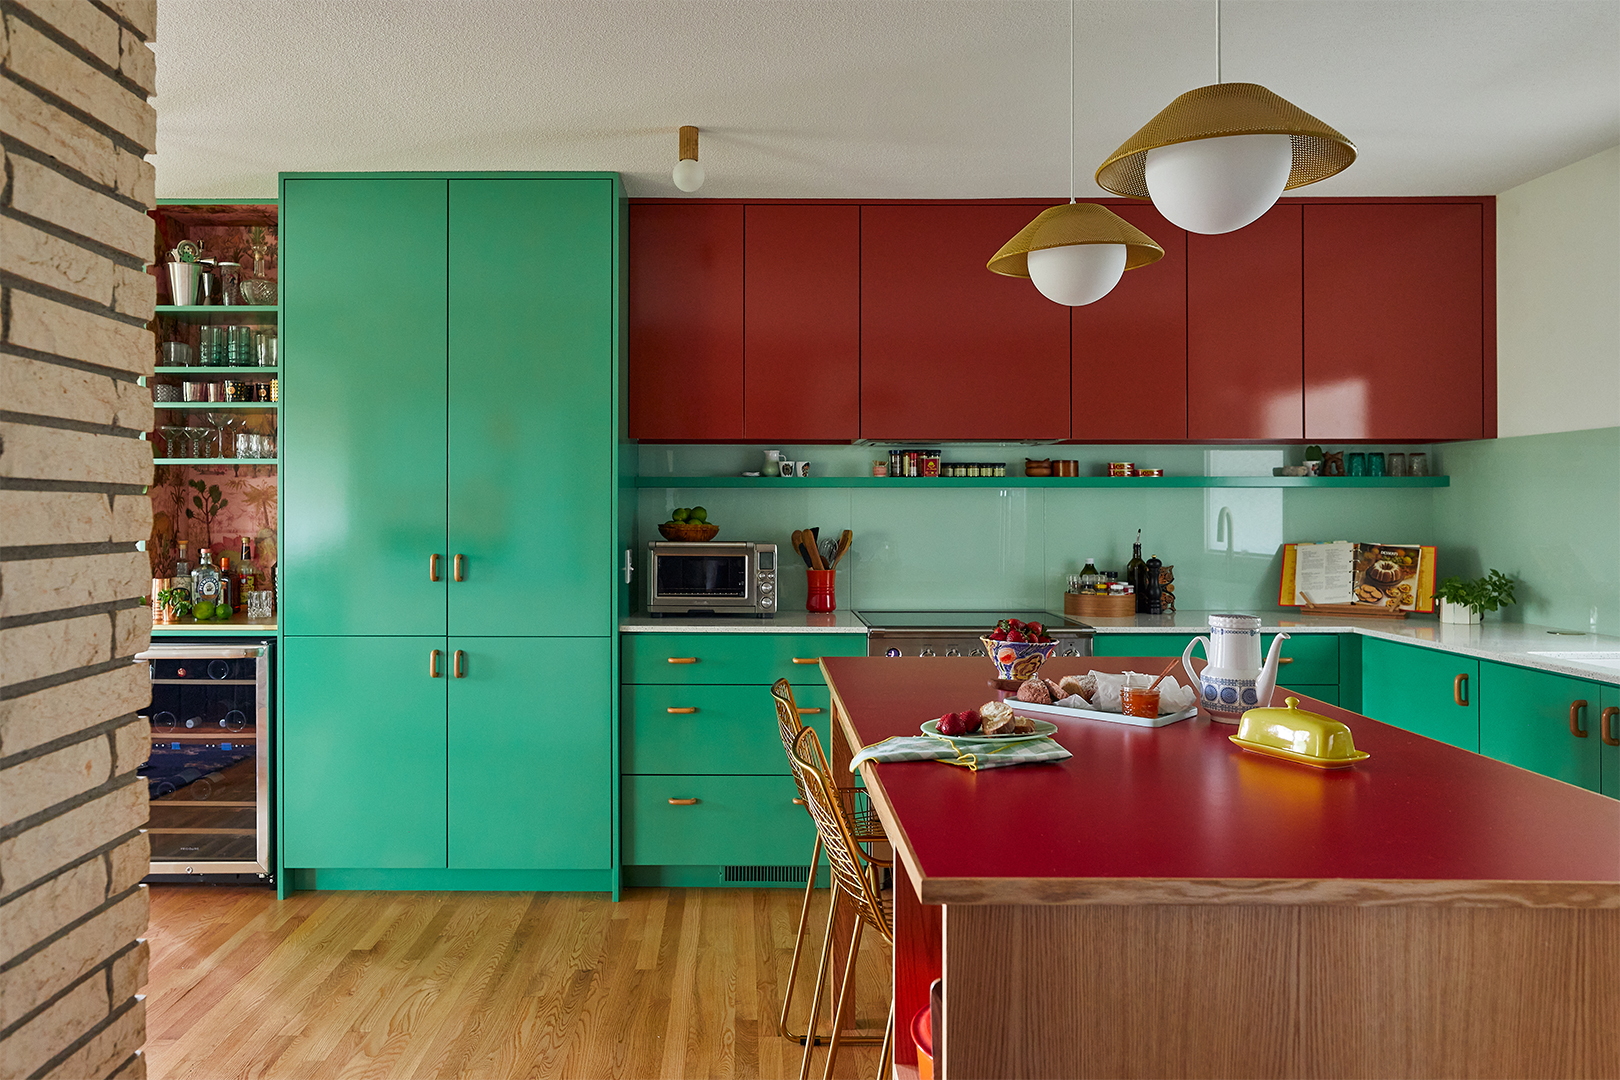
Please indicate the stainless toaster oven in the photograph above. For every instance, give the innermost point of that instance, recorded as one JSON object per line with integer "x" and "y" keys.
{"x": 731, "y": 578}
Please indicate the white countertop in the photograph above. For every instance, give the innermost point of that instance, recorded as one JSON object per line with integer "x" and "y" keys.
{"x": 1509, "y": 643}
{"x": 1524, "y": 644}
{"x": 784, "y": 622}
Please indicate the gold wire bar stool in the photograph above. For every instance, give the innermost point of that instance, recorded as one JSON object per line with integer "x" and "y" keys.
{"x": 855, "y": 877}
{"x": 868, "y": 829}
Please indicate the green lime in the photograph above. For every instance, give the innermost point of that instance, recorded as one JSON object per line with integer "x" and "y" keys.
{"x": 222, "y": 611}
{"x": 697, "y": 515}
{"x": 203, "y": 609}
{"x": 680, "y": 515}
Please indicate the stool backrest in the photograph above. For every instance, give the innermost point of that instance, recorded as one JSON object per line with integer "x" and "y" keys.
{"x": 788, "y": 725}
{"x": 844, "y": 855}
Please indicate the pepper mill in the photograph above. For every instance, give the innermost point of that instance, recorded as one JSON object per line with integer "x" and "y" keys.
{"x": 1153, "y": 589}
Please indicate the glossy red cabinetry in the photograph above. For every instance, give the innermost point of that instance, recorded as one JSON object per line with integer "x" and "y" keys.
{"x": 1135, "y": 340}
{"x": 1395, "y": 321}
{"x": 686, "y": 322}
{"x": 1245, "y": 331}
{"x": 948, "y": 349}
{"x": 802, "y": 323}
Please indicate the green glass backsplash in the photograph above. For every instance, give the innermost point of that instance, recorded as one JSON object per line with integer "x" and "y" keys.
{"x": 1015, "y": 547}
{"x": 1544, "y": 509}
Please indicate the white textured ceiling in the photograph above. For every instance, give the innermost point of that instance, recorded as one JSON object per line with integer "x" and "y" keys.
{"x": 873, "y": 99}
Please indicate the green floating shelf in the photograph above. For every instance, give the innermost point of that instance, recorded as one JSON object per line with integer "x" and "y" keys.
{"x": 216, "y": 461}
{"x": 214, "y": 309}
{"x": 209, "y": 406}
{"x": 1117, "y": 482}
{"x": 172, "y": 369}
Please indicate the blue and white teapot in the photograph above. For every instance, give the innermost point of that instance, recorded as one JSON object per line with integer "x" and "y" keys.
{"x": 1234, "y": 681}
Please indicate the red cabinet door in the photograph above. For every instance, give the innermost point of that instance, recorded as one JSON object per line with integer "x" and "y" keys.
{"x": 1245, "y": 331}
{"x": 1135, "y": 340}
{"x": 948, "y": 349}
{"x": 1394, "y": 321}
{"x": 686, "y": 322}
{"x": 802, "y": 323}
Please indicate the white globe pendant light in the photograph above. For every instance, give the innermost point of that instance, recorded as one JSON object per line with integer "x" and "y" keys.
{"x": 1218, "y": 185}
{"x": 1075, "y": 253}
{"x": 688, "y": 174}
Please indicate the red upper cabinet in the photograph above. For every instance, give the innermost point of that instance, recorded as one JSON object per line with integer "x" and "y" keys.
{"x": 1395, "y": 321}
{"x": 1245, "y": 332}
{"x": 1135, "y": 339}
{"x": 802, "y": 323}
{"x": 948, "y": 349}
{"x": 686, "y": 322}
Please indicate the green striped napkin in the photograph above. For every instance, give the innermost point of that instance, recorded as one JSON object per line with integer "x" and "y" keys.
{"x": 974, "y": 756}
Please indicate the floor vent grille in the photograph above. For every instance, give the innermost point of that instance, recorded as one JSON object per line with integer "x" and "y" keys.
{"x": 754, "y": 875}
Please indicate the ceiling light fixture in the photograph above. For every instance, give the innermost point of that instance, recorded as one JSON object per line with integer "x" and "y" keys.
{"x": 1075, "y": 253}
{"x": 688, "y": 173}
{"x": 1218, "y": 157}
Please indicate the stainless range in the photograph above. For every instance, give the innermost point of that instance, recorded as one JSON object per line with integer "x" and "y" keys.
{"x": 957, "y": 633}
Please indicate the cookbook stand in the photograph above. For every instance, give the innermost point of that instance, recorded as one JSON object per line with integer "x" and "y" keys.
{"x": 1359, "y": 611}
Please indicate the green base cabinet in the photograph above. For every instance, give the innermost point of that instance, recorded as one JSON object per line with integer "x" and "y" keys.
{"x": 1525, "y": 719}
{"x": 1609, "y": 698}
{"x": 698, "y": 820}
{"x": 1426, "y": 691}
{"x": 1308, "y": 663}
{"x": 362, "y": 752}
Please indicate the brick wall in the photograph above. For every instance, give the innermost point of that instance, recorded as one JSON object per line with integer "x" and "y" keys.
{"x": 75, "y": 125}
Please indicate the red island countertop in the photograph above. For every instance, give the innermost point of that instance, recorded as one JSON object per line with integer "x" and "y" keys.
{"x": 1181, "y": 815}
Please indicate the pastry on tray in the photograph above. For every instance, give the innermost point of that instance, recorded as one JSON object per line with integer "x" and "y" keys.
{"x": 1035, "y": 691}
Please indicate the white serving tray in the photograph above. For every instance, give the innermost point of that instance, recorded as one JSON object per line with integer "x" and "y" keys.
{"x": 1058, "y": 712}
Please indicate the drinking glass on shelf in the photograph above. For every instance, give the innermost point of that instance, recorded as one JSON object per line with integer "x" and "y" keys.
{"x": 174, "y": 440}
{"x": 259, "y": 604}
{"x": 1395, "y": 465}
{"x": 1417, "y": 465}
{"x": 267, "y": 349}
{"x": 247, "y": 445}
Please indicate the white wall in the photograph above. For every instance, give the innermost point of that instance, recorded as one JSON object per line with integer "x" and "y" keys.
{"x": 1558, "y": 300}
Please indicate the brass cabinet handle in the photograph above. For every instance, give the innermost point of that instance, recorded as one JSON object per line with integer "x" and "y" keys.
{"x": 799, "y": 802}
{"x": 682, "y": 710}
{"x": 433, "y": 567}
{"x": 807, "y": 660}
{"x": 807, "y": 712}
{"x": 455, "y": 571}
{"x": 1285, "y": 659}
{"x": 433, "y": 664}
{"x": 1575, "y": 710}
{"x": 682, "y": 660}
{"x": 1459, "y": 690}
{"x": 457, "y": 662}
{"x": 683, "y": 802}
{"x": 1608, "y": 734}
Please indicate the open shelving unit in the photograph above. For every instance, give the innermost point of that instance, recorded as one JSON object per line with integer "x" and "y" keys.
{"x": 902, "y": 483}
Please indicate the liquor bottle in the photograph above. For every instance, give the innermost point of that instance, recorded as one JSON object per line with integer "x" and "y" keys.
{"x": 227, "y": 583}
{"x": 182, "y": 570}
{"x": 205, "y": 579}
{"x": 245, "y": 579}
{"x": 1136, "y": 573}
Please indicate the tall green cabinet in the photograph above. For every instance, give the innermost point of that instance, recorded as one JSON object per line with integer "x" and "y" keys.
{"x": 451, "y": 445}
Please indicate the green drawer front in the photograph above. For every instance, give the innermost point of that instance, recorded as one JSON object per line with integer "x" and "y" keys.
{"x": 733, "y": 658}
{"x": 747, "y": 820}
{"x": 733, "y": 731}
{"x": 1315, "y": 656}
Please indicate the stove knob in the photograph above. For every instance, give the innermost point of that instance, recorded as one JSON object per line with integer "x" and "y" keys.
{"x": 1069, "y": 651}
{"x": 952, "y": 652}
{"x": 926, "y": 652}
{"x": 976, "y": 652}
{"x": 892, "y": 652}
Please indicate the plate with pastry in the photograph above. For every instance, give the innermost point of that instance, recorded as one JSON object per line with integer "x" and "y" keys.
{"x": 992, "y": 722}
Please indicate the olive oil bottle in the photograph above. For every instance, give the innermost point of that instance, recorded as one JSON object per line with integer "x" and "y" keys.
{"x": 1136, "y": 573}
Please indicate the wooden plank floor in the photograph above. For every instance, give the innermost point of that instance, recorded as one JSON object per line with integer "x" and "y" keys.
{"x": 666, "y": 983}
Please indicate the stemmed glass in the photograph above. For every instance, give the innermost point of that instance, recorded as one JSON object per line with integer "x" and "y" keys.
{"x": 224, "y": 426}
{"x": 173, "y": 434}
{"x": 199, "y": 441}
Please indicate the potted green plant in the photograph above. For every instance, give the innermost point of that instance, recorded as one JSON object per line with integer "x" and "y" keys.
{"x": 176, "y": 602}
{"x": 1468, "y": 601}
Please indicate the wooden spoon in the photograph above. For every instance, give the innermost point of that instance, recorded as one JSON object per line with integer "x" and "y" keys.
{"x": 1167, "y": 670}
{"x": 843, "y": 547}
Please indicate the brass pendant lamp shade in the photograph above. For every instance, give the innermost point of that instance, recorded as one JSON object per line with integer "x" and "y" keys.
{"x": 1223, "y": 109}
{"x": 1074, "y": 223}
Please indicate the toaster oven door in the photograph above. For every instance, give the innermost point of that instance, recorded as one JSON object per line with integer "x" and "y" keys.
{"x": 702, "y": 579}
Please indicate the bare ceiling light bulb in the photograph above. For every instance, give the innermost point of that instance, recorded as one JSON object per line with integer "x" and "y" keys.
{"x": 688, "y": 173}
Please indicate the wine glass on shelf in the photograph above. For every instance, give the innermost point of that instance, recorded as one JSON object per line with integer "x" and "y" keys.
{"x": 199, "y": 441}
{"x": 222, "y": 423}
{"x": 174, "y": 440}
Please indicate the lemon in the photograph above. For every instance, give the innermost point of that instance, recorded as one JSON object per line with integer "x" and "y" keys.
{"x": 203, "y": 609}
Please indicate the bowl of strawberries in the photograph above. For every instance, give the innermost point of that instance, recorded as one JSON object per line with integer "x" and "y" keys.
{"x": 1018, "y": 648}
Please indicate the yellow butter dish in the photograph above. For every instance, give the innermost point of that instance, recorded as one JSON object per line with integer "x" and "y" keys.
{"x": 1293, "y": 734}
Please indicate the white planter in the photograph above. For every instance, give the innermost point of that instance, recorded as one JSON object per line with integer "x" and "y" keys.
{"x": 1457, "y": 613}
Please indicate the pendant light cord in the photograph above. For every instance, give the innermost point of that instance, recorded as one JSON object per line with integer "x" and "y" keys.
{"x": 1071, "y": 100}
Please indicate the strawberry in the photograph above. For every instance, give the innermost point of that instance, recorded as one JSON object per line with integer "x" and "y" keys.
{"x": 1016, "y": 635}
{"x": 972, "y": 719}
{"x": 1016, "y": 624}
{"x": 1037, "y": 632}
{"x": 952, "y": 724}
{"x": 998, "y": 634}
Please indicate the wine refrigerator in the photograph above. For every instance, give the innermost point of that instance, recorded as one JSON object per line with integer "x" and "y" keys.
{"x": 209, "y": 770}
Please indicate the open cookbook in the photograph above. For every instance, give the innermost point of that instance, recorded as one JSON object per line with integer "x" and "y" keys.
{"x": 1390, "y": 577}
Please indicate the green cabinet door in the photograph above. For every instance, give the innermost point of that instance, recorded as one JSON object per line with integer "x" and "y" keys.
{"x": 1140, "y": 644}
{"x": 1418, "y": 689}
{"x": 363, "y": 752}
{"x": 530, "y": 764}
{"x": 1609, "y": 697}
{"x": 531, "y": 409}
{"x": 362, "y": 406}
{"x": 1524, "y": 719}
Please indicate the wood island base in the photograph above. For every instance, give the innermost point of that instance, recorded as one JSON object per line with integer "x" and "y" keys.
{"x": 1279, "y": 991}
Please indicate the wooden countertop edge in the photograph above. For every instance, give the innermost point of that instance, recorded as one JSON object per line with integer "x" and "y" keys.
{"x": 1603, "y": 895}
